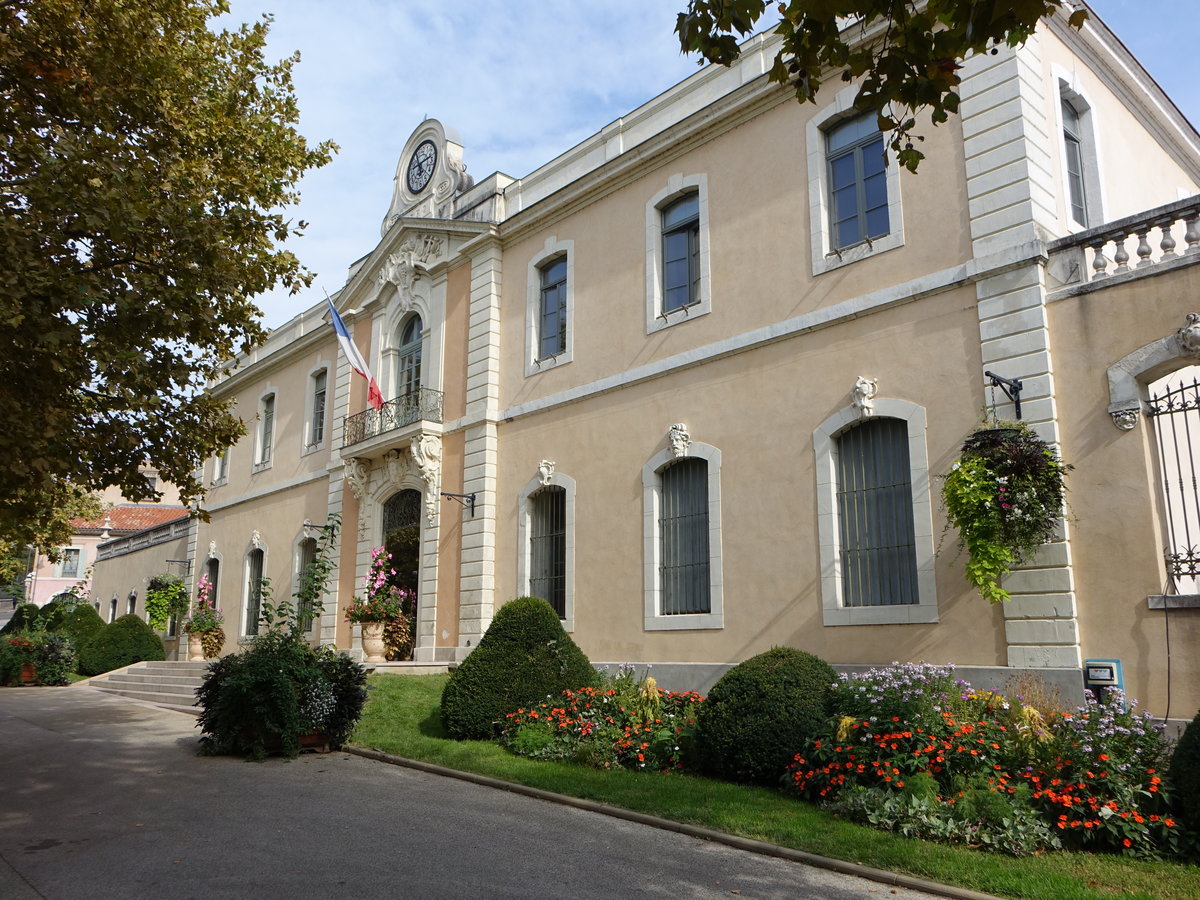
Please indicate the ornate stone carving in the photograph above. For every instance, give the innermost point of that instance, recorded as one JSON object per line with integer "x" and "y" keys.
{"x": 357, "y": 474}
{"x": 545, "y": 471}
{"x": 408, "y": 264}
{"x": 1189, "y": 337}
{"x": 863, "y": 395}
{"x": 426, "y": 452}
{"x": 680, "y": 440}
{"x": 212, "y": 549}
{"x": 1125, "y": 419}
{"x": 399, "y": 464}
{"x": 256, "y": 539}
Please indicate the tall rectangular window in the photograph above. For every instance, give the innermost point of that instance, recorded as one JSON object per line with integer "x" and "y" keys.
{"x": 221, "y": 466}
{"x": 316, "y": 428}
{"x": 1073, "y": 141}
{"x": 254, "y": 583}
{"x": 858, "y": 202}
{"x": 876, "y": 543}
{"x": 552, "y": 309}
{"x": 683, "y": 530}
{"x": 307, "y": 556}
{"x": 266, "y": 432}
{"x": 548, "y": 547}
{"x": 681, "y": 252}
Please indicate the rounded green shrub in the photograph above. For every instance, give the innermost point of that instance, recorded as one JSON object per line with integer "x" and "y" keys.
{"x": 758, "y": 716}
{"x": 1184, "y": 776}
{"x": 23, "y": 619}
{"x": 523, "y": 657}
{"x": 82, "y": 624}
{"x": 121, "y": 643}
{"x": 276, "y": 691}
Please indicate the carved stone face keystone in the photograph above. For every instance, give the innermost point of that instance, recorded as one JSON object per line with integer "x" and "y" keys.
{"x": 1189, "y": 336}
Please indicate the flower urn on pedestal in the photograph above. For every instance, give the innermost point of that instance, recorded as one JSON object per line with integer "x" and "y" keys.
{"x": 195, "y": 645}
{"x": 372, "y": 641}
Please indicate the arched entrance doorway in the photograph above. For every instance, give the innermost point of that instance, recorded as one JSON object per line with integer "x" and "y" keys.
{"x": 402, "y": 540}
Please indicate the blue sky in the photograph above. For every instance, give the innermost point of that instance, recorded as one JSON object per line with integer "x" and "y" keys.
{"x": 521, "y": 81}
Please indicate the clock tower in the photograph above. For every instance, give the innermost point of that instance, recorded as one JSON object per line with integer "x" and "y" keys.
{"x": 429, "y": 175}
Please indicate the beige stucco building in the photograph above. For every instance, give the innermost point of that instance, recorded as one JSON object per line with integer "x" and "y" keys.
{"x": 638, "y": 380}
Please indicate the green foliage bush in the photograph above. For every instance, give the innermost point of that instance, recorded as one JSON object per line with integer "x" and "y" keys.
{"x": 82, "y": 624}
{"x": 524, "y": 657}
{"x": 761, "y": 713}
{"x": 121, "y": 643}
{"x": 24, "y": 618}
{"x": 1184, "y": 776}
{"x": 274, "y": 692}
{"x": 52, "y": 654}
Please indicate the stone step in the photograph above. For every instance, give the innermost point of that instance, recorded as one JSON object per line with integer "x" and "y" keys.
{"x": 193, "y": 669}
{"x": 151, "y": 678}
{"x": 409, "y": 667}
{"x": 178, "y": 703}
{"x": 149, "y": 685}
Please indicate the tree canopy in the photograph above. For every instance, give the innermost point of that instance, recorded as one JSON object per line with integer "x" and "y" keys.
{"x": 907, "y": 53}
{"x": 146, "y": 159}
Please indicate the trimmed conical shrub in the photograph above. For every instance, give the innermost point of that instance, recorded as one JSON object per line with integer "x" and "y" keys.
{"x": 522, "y": 658}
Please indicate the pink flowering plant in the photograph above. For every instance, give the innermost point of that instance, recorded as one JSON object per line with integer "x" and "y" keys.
{"x": 206, "y": 615}
{"x": 383, "y": 600}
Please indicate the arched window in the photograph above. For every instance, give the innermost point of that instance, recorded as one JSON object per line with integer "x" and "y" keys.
{"x": 408, "y": 368}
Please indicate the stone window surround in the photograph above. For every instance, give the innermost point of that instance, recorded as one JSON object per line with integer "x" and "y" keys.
{"x": 269, "y": 392}
{"x": 309, "y": 407}
{"x": 525, "y": 529}
{"x": 824, "y": 257}
{"x": 1067, "y": 87}
{"x": 677, "y": 185}
{"x": 551, "y": 250}
{"x": 652, "y": 549}
{"x": 825, "y": 465}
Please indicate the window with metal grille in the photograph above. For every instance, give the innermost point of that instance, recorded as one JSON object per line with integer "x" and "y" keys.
{"x": 876, "y": 547}
{"x": 1073, "y": 140}
{"x": 316, "y": 430}
{"x": 1174, "y": 408}
{"x": 212, "y": 569}
{"x": 683, "y": 530}
{"x": 548, "y": 547}
{"x": 254, "y": 580}
{"x": 552, "y": 312}
{"x": 858, "y": 201}
{"x": 306, "y": 557}
{"x": 681, "y": 252}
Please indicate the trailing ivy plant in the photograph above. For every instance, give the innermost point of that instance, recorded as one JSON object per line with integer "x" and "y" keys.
{"x": 166, "y": 596}
{"x": 1005, "y": 497}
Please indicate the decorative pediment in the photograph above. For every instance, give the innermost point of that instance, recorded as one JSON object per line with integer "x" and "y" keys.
{"x": 430, "y": 173}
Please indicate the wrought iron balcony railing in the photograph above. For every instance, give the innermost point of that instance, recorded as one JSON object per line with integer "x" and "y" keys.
{"x": 421, "y": 405}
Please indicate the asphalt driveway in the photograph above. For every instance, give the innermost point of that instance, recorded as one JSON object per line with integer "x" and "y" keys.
{"x": 104, "y": 797}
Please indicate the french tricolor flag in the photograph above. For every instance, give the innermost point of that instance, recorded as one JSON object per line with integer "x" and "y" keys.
{"x": 357, "y": 363}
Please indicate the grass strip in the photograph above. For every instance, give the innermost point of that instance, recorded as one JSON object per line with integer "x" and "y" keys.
{"x": 402, "y": 718}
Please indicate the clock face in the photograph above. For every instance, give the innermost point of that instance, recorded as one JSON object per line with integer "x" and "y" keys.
{"x": 420, "y": 167}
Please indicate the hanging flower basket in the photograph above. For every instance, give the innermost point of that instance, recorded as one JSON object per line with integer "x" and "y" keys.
{"x": 1005, "y": 497}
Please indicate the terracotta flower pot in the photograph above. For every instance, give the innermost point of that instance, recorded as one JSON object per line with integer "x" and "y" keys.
{"x": 28, "y": 673}
{"x": 372, "y": 641}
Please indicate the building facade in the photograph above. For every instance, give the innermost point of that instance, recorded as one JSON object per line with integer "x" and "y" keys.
{"x": 650, "y": 381}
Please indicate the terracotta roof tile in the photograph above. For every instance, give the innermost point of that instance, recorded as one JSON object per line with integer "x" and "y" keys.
{"x": 129, "y": 518}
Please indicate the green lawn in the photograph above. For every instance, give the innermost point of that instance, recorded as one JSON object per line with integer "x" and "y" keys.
{"x": 402, "y": 718}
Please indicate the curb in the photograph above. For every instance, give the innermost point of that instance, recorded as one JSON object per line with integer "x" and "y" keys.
{"x": 891, "y": 879}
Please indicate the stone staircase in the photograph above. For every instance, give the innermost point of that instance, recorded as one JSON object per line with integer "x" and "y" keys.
{"x": 168, "y": 684}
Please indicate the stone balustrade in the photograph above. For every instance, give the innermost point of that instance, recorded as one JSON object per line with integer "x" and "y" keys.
{"x": 1157, "y": 236}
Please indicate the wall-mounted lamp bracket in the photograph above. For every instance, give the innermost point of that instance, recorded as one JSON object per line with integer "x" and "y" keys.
{"x": 1011, "y": 388}
{"x": 467, "y": 500}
